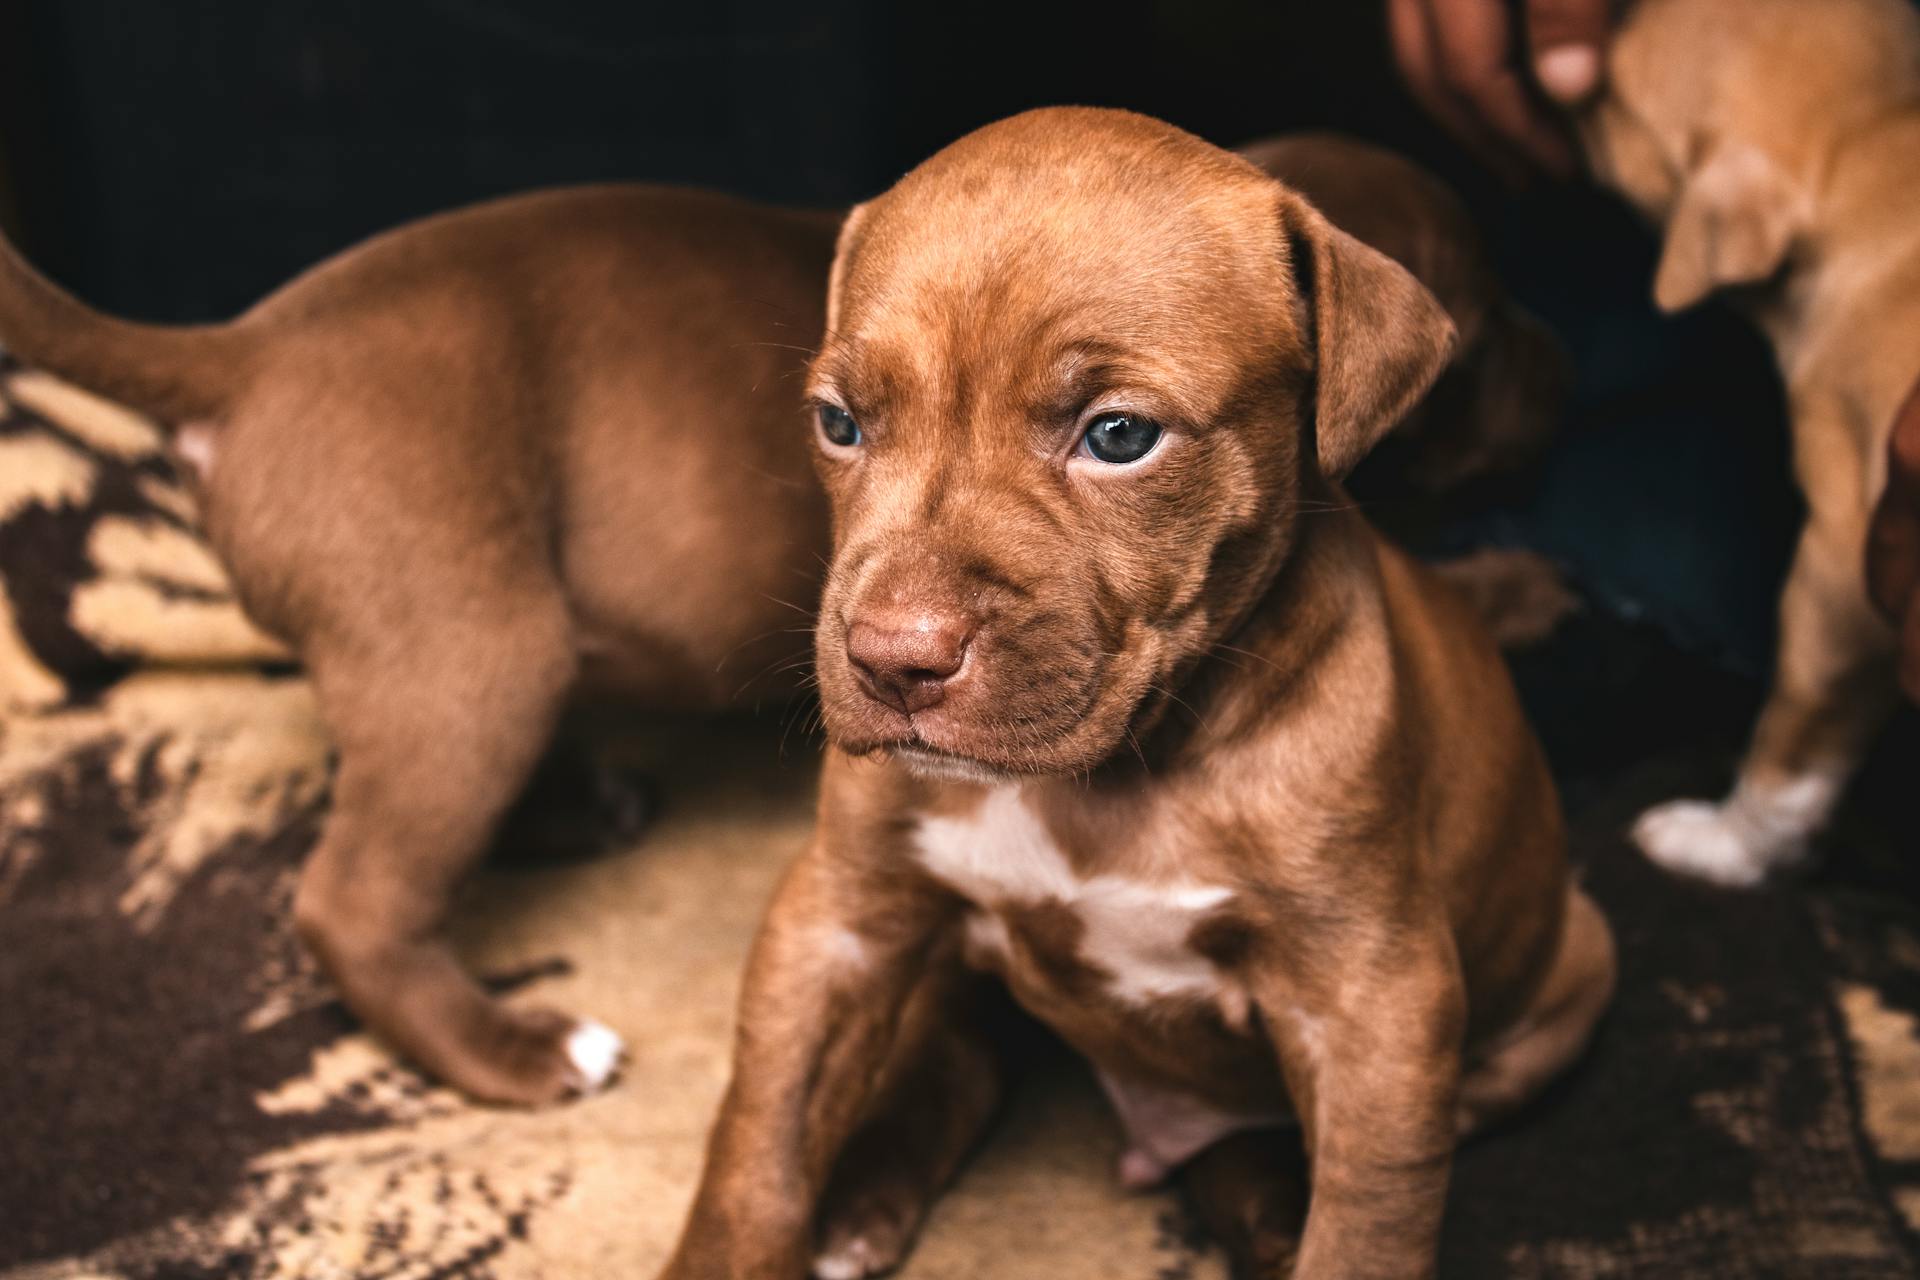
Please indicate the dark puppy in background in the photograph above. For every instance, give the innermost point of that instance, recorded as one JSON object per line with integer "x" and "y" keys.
{"x": 1492, "y": 412}
{"x": 1482, "y": 429}
{"x": 1130, "y": 710}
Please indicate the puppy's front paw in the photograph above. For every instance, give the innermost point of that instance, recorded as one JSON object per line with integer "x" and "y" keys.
{"x": 855, "y": 1258}
{"x": 1737, "y": 843}
{"x": 867, "y": 1237}
{"x": 860, "y": 1255}
{"x": 595, "y": 1051}
{"x": 537, "y": 1057}
{"x": 1698, "y": 838}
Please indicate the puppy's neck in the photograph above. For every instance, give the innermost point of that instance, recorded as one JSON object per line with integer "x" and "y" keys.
{"x": 1857, "y": 272}
{"x": 1873, "y": 169}
{"x": 1863, "y": 228}
{"x": 1326, "y": 600}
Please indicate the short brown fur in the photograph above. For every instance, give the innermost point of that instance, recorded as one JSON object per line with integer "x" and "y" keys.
{"x": 1203, "y": 670}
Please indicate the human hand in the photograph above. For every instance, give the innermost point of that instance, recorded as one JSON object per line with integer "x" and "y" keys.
{"x": 1480, "y": 66}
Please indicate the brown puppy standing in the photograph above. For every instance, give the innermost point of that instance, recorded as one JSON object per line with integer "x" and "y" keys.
{"x": 468, "y": 469}
{"x": 1777, "y": 143}
{"x": 1131, "y": 710}
{"x": 1489, "y": 416}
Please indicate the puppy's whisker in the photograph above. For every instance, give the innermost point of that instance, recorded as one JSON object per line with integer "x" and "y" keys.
{"x": 1325, "y": 508}
{"x": 808, "y": 352}
{"x": 756, "y": 639}
{"x": 785, "y": 482}
{"x": 1234, "y": 648}
{"x": 802, "y": 610}
{"x": 775, "y": 668}
{"x": 1180, "y": 702}
{"x": 1235, "y": 663}
{"x": 801, "y": 710}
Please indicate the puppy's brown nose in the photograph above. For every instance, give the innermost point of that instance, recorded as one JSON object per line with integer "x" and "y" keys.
{"x": 905, "y": 658}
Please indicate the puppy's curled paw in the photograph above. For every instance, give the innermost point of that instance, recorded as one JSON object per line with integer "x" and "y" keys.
{"x": 533, "y": 1057}
{"x": 595, "y": 1052}
{"x": 867, "y": 1239}
{"x": 1707, "y": 841}
{"x": 854, "y": 1258}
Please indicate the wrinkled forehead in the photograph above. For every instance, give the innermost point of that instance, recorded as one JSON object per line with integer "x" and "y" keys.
{"x": 1007, "y": 265}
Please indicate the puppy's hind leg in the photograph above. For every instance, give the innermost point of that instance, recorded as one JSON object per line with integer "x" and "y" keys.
{"x": 438, "y": 733}
{"x": 1554, "y": 1030}
{"x": 1832, "y": 689}
{"x": 945, "y": 1082}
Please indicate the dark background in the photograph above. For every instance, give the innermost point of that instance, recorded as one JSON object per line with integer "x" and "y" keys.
{"x": 177, "y": 161}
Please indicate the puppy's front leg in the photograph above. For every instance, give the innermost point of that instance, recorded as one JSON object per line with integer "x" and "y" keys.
{"x": 1375, "y": 1075}
{"x": 840, "y": 952}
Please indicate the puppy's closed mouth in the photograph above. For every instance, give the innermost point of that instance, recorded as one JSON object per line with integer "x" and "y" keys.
{"x": 983, "y": 740}
{"x": 942, "y": 766}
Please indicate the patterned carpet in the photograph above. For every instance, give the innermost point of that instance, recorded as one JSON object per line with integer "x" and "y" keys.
{"x": 180, "y": 1095}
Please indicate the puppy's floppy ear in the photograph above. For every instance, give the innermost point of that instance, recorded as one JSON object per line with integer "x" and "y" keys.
{"x": 843, "y": 248}
{"x": 1379, "y": 338}
{"x": 1732, "y": 223}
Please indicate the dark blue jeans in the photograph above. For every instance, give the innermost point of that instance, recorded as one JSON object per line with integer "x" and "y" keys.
{"x": 1669, "y": 491}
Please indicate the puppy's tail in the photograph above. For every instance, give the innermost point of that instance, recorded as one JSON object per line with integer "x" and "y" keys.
{"x": 175, "y": 373}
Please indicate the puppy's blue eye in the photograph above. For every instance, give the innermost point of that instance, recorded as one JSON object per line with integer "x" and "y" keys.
{"x": 838, "y": 426}
{"x": 1121, "y": 437}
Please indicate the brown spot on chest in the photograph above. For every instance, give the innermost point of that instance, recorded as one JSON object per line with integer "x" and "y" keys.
{"x": 1043, "y": 948}
{"x": 1226, "y": 940}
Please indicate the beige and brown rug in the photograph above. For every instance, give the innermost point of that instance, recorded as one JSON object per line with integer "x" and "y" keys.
{"x": 180, "y": 1096}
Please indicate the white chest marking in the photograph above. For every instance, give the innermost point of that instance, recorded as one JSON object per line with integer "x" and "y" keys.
{"x": 1134, "y": 930}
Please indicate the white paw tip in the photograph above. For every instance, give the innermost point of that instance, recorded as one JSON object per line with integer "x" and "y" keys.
{"x": 849, "y": 1260}
{"x": 1694, "y": 838}
{"x": 1140, "y": 1171}
{"x": 595, "y": 1049}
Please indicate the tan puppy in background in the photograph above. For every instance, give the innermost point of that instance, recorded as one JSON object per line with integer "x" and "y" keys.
{"x": 472, "y": 470}
{"x": 1132, "y": 710}
{"x": 1777, "y": 144}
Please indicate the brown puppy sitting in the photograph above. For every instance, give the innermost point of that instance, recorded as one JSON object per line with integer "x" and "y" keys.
{"x": 1777, "y": 142}
{"x": 467, "y": 470}
{"x": 1131, "y": 710}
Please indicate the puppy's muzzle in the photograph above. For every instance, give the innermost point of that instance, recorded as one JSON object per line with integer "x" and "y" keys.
{"x": 908, "y": 659}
